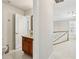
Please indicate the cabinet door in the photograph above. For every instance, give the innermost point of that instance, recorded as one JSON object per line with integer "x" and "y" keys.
{"x": 25, "y": 46}
{"x": 30, "y": 48}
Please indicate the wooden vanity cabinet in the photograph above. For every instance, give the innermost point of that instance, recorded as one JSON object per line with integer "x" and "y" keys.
{"x": 27, "y": 45}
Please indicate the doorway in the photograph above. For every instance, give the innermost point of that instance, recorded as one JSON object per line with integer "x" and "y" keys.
{"x": 21, "y": 29}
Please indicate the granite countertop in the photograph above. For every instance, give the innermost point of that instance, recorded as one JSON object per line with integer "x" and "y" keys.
{"x": 27, "y": 36}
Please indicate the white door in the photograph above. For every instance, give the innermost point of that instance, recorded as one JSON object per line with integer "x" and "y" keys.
{"x": 19, "y": 30}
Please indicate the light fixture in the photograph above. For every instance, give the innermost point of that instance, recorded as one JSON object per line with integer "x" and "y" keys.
{"x": 58, "y": 1}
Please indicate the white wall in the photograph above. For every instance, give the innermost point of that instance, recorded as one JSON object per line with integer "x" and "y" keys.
{"x": 61, "y": 25}
{"x": 66, "y": 25}
{"x": 43, "y": 28}
{"x": 36, "y": 29}
{"x": 7, "y": 16}
{"x": 72, "y": 29}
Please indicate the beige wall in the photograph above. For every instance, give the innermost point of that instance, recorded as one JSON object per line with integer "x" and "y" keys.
{"x": 7, "y": 15}
{"x": 29, "y": 12}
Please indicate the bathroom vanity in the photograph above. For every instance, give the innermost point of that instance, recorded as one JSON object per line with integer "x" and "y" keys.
{"x": 27, "y": 45}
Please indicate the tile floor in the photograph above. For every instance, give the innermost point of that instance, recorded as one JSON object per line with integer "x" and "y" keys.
{"x": 16, "y": 55}
{"x": 66, "y": 50}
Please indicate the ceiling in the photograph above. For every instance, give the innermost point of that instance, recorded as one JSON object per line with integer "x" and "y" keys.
{"x": 62, "y": 11}
{"x": 22, "y": 4}
{"x": 65, "y": 10}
